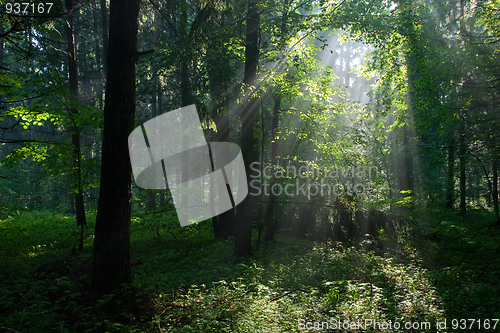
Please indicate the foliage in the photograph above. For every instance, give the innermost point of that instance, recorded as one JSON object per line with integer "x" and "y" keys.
{"x": 202, "y": 288}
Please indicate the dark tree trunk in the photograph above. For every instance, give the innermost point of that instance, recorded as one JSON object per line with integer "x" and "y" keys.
{"x": 249, "y": 116}
{"x": 151, "y": 202}
{"x": 75, "y": 130}
{"x": 462, "y": 160}
{"x": 451, "y": 179}
{"x": 271, "y": 221}
{"x": 72, "y": 209}
{"x": 1, "y": 50}
{"x": 98, "y": 58}
{"x": 222, "y": 224}
{"x": 1, "y": 62}
{"x": 305, "y": 221}
{"x": 111, "y": 258}
{"x": 105, "y": 36}
{"x": 185, "y": 94}
{"x": 494, "y": 166}
{"x": 219, "y": 81}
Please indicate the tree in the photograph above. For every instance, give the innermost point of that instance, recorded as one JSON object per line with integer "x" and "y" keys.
{"x": 248, "y": 117}
{"x": 111, "y": 257}
{"x": 75, "y": 130}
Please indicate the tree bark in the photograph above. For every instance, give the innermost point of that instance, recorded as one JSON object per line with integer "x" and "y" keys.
{"x": 451, "y": 179}
{"x": 1, "y": 48}
{"x": 1, "y": 62}
{"x": 111, "y": 257}
{"x": 462, "y": 157}
{"x": 494, "y": 168}
{"x": 271, "y": 224}
{"x": 406, "y": 162}
{"x": 184, "y": 86}
{"x": 249, "y": 115}
{"x": 75, "y": 130}
{"x": 270, "y": 220}
{"x": 98, "y": 58}
{"x": 222, "y": 224}
{"x": 151, "y": 203}
{"x": 105, "y": 36}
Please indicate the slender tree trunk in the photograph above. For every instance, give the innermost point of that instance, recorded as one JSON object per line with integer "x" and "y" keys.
{"x": 105, "y": 36}
{"x": 185, "y": 94}
{"x": 271, "y": 224}
{"x": 451, "y": 178}
{"x": 111, "y": 258}
{"x": 462, "y": 161}
{"x": 494, "y": 167}
{"x": 1, "y": 62}
{"x": 406, "y": 176}
{"x": 151, "y": 203}
{"x": 75, "y": 130}
{"x": 249, "y": 117}
{"x": 1, "y": 49}
{"x": 222, "y": 224}
{"x": 162, "y": 200}
{"x": 415, "y": 97}
{"x": 260, "y": 221}
{"x": 270, "y": 220}
{"x": 98, "y": 59}
{"x": 72, "y": 209}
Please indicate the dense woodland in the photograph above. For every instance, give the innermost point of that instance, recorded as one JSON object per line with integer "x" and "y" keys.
{"x": 369, "y": 134}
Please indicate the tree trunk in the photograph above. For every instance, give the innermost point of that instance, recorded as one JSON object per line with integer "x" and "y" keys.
{"x": 72, "y": 209}
{"x": 406, "y": 179}
{"x": 270, "y": 220}
{"x": 222, "y": 224}
{"x": 249, "y": 115}
{"x": 105, "y": 36}
{"x": 451, "y": 178}
{"x": 185, "y": 95}
{"x": 494, "y": 168}
{"x": 75, "y": 130}
{"x": 151, "y": 202}
{"x": 1, "y": 48}
{"x": 98, "y": 59}
{"x": 111, "y": 258}
{"x": 219, "y": 82}
{"x": 2, "y": 45}
{"x": 461, "y": 156}
{"x": 271, "y": 224}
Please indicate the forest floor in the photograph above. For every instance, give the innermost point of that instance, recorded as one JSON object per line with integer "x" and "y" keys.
{"x": 445, "y": 271}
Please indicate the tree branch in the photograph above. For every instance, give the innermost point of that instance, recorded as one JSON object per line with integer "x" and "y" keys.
{"x": 141, "y": 53}
{"x": 25, "y": 141}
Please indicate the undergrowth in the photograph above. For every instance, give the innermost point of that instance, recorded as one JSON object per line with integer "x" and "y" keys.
{"x": 186, "y": 282}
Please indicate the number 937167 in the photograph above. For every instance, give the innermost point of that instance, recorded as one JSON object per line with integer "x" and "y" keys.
{"x": 27, "y": 8}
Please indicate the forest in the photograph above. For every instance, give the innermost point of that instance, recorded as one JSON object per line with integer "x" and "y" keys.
{"x": 249, "y": 166}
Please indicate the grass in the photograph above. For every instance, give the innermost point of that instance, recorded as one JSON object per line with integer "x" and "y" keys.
{"x": 465, "y": 262}
{"x": 186, "y": 282}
